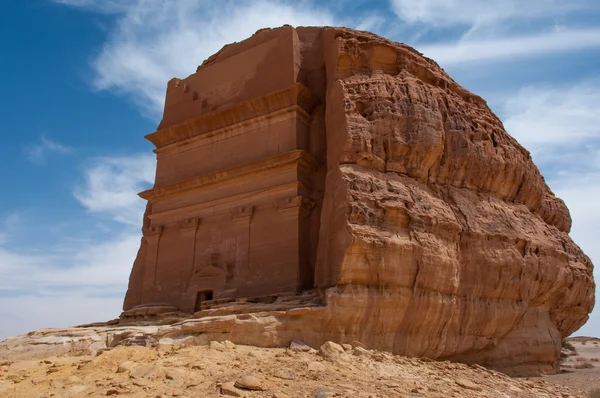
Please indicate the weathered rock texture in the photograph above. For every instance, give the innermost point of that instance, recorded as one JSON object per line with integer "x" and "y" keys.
{"x": 335, "y": 160}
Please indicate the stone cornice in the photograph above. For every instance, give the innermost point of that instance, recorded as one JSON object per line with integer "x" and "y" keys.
{"x": 227, "y": 205}
{"x": 296, "y": 96}
{"x": 302, "y": 158}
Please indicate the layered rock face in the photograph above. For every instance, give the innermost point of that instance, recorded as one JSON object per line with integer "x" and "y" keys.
{"x": 335, "y": 160}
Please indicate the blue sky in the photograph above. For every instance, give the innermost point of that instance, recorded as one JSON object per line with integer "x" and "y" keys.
{"x": 84, "y": 81}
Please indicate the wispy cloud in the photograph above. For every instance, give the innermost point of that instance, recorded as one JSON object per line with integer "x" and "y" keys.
{"x": 157, "y": 40}
{"x": 104, "y": 6}
{"x": 38, "y": 152}
{"x": 465, "y": 52}
{"x": 561, "y": 126}
{"x": 78, "y": 279}
{"x": 474, "y": 12}
{"x": 111, "y": 185}
{"x": 556, "y": 123}
{"x": 101, "y": 267}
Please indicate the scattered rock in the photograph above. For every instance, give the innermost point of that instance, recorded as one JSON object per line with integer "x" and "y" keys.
{"x": 175, "y": 374}
{"x": 323, "y": 393}
{"x": 347, "y": 347}
{"x": 285, "y": 374}
{"x": 360, "y": 351}
{"x": 468, "y": 384}
{"x": 316, "y": 367}
{"x": 230, "y": 390}
{"x": 331, "y": 350}
{"x": 249, "y": 382}
{"x": 126, "y": 367}
{"x": 215, "y": 345}
{"x": 299, "y": 346}
{"x": 146, "y": 370}
{"x": 229, "y": 344}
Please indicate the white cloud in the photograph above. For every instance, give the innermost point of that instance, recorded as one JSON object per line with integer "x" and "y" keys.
{"x": 581, "y": 191}
{"x": 157, "y": 40}
{"x": 561, "y": 126}
{"x": 465, "y": 52}
{"x": 475, "y": 12}
{"x": 111, "y": 186}
{"x": 105, "y": 6}
{"x": 78, "y": 280}
{"x": 101, "y": 267}
{"x": 37, "y": 153}
{"x": 24, "y": 313}
{"x": 550, "y": 118}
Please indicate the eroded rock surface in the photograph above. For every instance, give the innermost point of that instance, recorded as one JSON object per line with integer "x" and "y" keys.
{"x": 359, "y": 173}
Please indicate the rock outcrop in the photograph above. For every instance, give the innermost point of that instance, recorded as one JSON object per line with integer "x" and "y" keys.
{"x": 336, "y": 161}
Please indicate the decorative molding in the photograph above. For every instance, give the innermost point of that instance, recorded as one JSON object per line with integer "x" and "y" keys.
{"x": 241, "y": 212}
{"x": 152, "y": 231}
{"x": 296, "y": 95}
{"x": 301, "y": 204}
{"x": 298, "y": 157}
{"x": 188, "y": 224}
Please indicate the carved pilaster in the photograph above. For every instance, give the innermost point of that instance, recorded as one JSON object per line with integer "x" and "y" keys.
{"x": 241, "y": 217}
{"x": 152, "y": 236}
{"x": 188, "y": 228}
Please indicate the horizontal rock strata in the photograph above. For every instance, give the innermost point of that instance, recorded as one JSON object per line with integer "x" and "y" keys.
{"x": 352, "y": 168}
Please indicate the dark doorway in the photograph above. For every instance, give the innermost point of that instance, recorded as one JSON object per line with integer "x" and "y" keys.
{"x": 201, "y": 297}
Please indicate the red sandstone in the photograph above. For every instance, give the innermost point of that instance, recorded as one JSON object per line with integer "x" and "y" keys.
{"x": 333, "y": 160}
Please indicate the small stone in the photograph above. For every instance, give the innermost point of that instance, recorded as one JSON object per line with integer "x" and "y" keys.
{"x": 331, "y": 350}
{"x": 299, "y": 346}
{"x": 359, "y": 351}
{"x": 323, "y": 393}
{"x": 229, "y": 344}
{"x": 468, "y": 384}
{"x": 215, "y": 345}
{"x": 249, "y": 382}
{"x": 146, "y": 370}
{"x": 140, "y": 383}
{"x": 316, "y": 367}
{"x": 112, "y": 391}
{"x": 230, "y": 390}
{"x": 175, "y": 374}
{"x": 285, "y": 374}
{"x": 515, "y": 389}
{"x": 347, "y": 347}
{"x": 280, "y": 395}
{"x": 379, "y": 357}
{"x": 125, "y": 367}
{"x": 38, "y": 380}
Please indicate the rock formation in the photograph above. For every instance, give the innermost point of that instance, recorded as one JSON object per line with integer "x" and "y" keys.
{"x": 339, "y": 164}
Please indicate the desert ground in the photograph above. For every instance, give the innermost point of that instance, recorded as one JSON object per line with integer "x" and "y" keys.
{"x": 580, "y": 368}
{"x": 224, "y": 369}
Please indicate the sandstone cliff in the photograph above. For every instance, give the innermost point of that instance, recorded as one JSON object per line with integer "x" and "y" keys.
{"x": 422, "y": 226}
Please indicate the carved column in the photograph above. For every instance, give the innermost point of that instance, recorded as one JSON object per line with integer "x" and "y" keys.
{"x": 152, "y": 237}
{"x": 294, "y": 212}
{"x": 187, "y": 230}
{"x": 241, "y": 217}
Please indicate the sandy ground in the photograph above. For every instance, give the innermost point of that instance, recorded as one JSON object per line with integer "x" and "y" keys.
{"x": 223, "y": 369}
{"x": 581, "y": 371}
